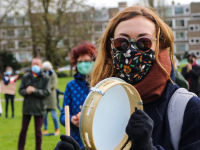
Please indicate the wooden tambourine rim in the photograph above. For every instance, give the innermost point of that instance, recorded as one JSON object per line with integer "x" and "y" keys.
{"x": 103, "y": 86}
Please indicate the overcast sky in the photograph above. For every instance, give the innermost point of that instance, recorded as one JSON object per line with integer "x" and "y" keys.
{"x": 114, "y": 3}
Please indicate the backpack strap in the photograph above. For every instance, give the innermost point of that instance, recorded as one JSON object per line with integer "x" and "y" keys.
{"x": 176, "y": 110}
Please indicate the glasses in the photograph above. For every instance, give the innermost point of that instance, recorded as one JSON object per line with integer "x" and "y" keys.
{"x": 122, "y": 43}
{"x": 84, "y": 61}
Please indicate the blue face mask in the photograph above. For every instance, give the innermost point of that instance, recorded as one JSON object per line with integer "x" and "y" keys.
{"x": 8, "y": 72}
{"x": 36, "y": 69}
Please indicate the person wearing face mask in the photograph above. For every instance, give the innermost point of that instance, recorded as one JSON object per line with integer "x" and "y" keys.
{"x": 82, "y": 57}
{"x": 137, "y": 46}
{"x": 191, "y": 73}
{"x": 51, "y": 99}
{"x": 34, "y": 88}
{"x": 9, "y": 78}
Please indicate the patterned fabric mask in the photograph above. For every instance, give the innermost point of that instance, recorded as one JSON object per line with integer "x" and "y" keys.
{"x": 132, "y": 65}
{"x": 85, "y": 67}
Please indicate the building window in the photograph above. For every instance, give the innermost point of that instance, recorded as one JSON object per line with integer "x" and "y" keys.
{"x": 3, "y": 34}
{"x": 10, "y": 21}
{"x": 11, "y": 32}
{"x": 180, "y": 23}
{"x": 21, "y": 32}
{"x": 180, "y": 47}
{"x": 23, "y": 44}
{"x": 11, "y": 44}
{"x": 194, "y": 27}
{"x": 98, "y": 27}
{"x": 180, "y": 35}
{"x": 22, "y": 56}
{"x": 168, "y": 11}
{"x": 20, "y": 21}
{"x": 187, "y": 10}
{"x": 194, "y": 40}
{"x": 179, "y": 10}
{"x": 169, "y": 23}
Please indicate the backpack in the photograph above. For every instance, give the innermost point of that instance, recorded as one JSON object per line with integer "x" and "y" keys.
{"x": 176, "y": 110}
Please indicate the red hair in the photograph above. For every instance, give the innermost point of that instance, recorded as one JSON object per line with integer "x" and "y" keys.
{"x": 84, "y": 48}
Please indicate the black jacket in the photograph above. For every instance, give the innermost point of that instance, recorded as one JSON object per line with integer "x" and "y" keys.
{"x": 34, "y": 104}
{"x": 193, "y": 75}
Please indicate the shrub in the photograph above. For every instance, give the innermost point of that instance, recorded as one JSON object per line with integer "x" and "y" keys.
{"x": 62, "y": 74}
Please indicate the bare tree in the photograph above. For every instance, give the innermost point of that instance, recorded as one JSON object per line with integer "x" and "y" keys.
{"x": 6, "y": 6}
{"x": 59, "y": 21}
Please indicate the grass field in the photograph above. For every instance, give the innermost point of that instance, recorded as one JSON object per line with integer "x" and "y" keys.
{"x": 10, "y": 128}
{"x": 61, "y": 86}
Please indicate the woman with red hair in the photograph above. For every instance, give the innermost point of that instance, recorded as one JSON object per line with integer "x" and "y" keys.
{"x": 82, "y": 57}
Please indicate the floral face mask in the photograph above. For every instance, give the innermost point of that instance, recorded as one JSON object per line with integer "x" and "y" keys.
{"x": 132, "y": 65}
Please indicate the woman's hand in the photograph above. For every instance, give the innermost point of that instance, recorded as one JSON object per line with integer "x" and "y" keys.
{"x": 139, "y": 129}
{"x": 75, "y": 121}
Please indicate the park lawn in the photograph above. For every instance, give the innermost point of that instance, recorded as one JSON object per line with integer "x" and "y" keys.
{"x": 10, "y": 128}
{"x": 61, "y": 86}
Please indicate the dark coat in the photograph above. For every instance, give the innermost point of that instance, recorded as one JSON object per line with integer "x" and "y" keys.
{"x": 190, "y": 135}
{"x": 157, "y": 110}
{"x": 34, "y": 104}
{"x": 193, "y": 75}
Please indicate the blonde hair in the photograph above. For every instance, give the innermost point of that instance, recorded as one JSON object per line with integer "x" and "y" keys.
{"x": 103, "y": 67}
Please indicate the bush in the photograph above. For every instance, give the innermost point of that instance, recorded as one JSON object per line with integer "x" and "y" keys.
{"x": 62, "y": 74}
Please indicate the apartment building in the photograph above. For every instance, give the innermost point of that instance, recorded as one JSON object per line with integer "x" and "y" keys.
{"x": 194, "y": 29}
{"x": 102, "y": 17}
{"x": 15, "y": 37}
{"x": 184, "y": 21}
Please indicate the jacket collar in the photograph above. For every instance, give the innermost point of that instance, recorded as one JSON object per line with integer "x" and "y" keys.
{"x": 79, "y": 76}
{"x": 157, "y": 109}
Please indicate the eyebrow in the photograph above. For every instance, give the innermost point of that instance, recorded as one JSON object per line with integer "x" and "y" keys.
{"x": 140, "y": 35}
{"x": 143, "y": 34}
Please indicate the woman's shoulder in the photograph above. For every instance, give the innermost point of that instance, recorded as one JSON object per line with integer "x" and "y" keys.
{"x": 71, "y": 83}
{"x": 193, "y": 105}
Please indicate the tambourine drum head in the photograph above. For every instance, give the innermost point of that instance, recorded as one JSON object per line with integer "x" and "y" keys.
{"x": 105, "y": 115}
{"x": 111, "y": 118}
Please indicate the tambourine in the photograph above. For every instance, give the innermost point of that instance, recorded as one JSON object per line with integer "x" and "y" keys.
{"x": 105, "y": 114}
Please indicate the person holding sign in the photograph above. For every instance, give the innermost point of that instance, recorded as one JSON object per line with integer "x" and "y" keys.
{"x": 137, "y": 46}
{"x": 9, "y": 80}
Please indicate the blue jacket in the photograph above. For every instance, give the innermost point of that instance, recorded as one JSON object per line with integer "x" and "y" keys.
{"x": 75, "y": 94}
{"x": 6, "y": 79}
{"x": 190, "y": 135}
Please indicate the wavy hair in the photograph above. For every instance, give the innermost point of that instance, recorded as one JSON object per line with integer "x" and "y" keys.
{"x": 103, "y": 67}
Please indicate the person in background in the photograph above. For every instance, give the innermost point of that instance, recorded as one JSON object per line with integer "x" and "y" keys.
{"x": 34, "y": 88}
{"x": 82, "y": 57}
{"x": 9, "y": 78}
{"x": 191, "y": 73}
{"x": 179, "y": 79}
{"x": 58, "y": 92}
{"x": 51, "y": 99}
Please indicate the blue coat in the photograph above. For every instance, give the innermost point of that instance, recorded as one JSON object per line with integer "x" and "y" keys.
{"x": 75, "y": 94}
{"x": 6, "y": 79}
{"x": 190, "y": 135}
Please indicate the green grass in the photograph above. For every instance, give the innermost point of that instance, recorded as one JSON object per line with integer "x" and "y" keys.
{"x": 61, "y": 86}
{"x": 10, "y": 128}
